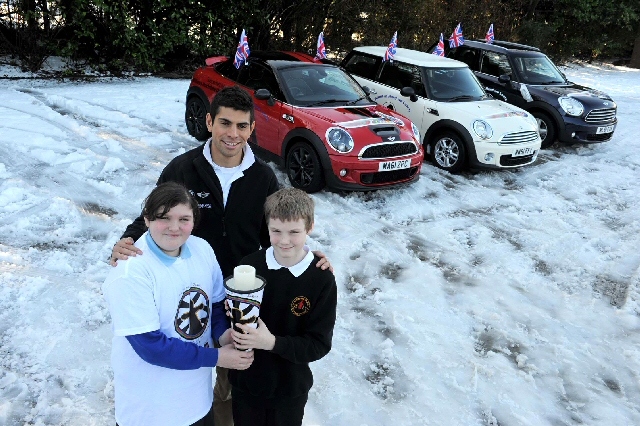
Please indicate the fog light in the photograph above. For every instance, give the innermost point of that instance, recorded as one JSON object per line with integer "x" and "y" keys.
{"x": 488, "y": 157}
{"x": 573, "y": 135}
{"x": 343, "y": 172}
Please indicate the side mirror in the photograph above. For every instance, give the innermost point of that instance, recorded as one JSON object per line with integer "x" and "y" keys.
{"x": 366, "y": 90}
{"x": 504, "y": 78}
{"x": 408, "y": 91}
{"x": 265, "y": 95}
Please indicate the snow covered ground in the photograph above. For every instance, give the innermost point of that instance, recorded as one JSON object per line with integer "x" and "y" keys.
{"x": 487, "y": 298}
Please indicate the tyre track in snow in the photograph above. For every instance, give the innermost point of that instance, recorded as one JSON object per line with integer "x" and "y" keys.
{"x": 503, "y": 224}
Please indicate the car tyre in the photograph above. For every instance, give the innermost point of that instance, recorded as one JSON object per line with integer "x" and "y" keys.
{"x": 547, "y": 129}
{"x": 195, "y": 117}
{"x": 304, "y": 168}
{"x": 448, "y": 152}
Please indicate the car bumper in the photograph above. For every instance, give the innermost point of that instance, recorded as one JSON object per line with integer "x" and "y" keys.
{"x": 576, "y": 130}
{"x": 491, "y": 155}
{"x": 363, "y": 175}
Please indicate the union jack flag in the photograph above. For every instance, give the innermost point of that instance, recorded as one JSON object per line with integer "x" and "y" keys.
{"x": 456, "y": 38}
{"x": 391, "y": 50}
{"x": 242, "y": 52}
{"x": 321, "y": 51}
{"x": 440, "y": 47}
{"x": 489, "y": 37}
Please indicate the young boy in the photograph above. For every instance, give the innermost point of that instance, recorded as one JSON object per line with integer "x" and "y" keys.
{"x": 297, "y": 315}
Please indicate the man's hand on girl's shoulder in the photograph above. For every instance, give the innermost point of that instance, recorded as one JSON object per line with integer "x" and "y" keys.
{"x": 122, "y": 250}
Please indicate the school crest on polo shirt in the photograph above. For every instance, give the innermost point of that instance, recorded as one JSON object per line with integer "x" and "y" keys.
{"x": 300, "y": 305}
{"x": 193, "y": 314}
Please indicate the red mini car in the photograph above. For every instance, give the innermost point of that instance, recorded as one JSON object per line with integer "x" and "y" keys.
{"x": 313, "y": 119}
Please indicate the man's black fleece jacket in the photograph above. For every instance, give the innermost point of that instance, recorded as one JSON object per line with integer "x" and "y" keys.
{"x": 233, "y": 231}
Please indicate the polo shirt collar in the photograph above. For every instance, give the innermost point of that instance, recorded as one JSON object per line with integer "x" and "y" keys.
{"x": 297, "y": 269}
{"x": 166, "y": 260}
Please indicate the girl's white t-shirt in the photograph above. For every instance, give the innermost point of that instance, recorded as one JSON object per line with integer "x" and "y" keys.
{"x": 174, "y": 295}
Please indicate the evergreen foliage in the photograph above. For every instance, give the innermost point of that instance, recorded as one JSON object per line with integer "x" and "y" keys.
{"x": 163, "y": 35}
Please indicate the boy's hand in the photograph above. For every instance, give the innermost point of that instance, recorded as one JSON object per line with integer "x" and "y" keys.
{"x": 229, "y": 357}
{"x": 254, "y": 338}
{"x": 122, "y": 250}
{"x": 323, "y": 263}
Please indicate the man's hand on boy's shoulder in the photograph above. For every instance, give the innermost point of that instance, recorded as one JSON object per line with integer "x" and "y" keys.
{"x": 122, "y": 250}
{"x": 323, "y": 263}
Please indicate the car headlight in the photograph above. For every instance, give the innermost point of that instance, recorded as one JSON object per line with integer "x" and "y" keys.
{"x": 482, "y": 129}
{"x": 571, "y": 106}
{"x": 416, "y": 132}
{"x": 339, "y": 139}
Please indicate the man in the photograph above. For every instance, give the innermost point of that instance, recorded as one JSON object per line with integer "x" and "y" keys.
{"x": 231, "y": 186}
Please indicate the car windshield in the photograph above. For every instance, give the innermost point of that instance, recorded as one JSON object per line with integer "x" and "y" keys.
{"x": 318, "y": 85}
{"x": 453, "y": 85}
{"x": 538, "y": 70}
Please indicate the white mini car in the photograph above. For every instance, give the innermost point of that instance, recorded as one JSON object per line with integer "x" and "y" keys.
{"x": 461, "y": 125}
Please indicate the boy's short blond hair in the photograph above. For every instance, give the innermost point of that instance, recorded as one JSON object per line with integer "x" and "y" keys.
{"x": 290, "y": 204}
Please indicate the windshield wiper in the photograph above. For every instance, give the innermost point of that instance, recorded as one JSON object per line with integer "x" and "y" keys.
{"x": 461, "y": 98}
{"x": 328, "y": 101}
{"x": 356, "y": 100}
{"x": 545, "y": 83}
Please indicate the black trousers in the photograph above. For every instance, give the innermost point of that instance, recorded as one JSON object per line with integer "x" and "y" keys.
{"x": 249, "y": 410}
{"x": 207, "y": 420}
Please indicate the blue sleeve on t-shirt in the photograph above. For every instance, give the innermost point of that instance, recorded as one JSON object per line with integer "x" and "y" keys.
{"x": 219, "y": 320}
{"x": 156, "y": 348}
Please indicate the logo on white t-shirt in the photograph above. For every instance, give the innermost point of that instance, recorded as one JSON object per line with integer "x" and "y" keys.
{"x": 192, "y": 316}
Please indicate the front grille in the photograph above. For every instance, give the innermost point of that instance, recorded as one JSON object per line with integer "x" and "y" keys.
{"x": 599, "y": 138}
{"x": 598, "y": 116}
{"x": 519, "y": 137}
{"x": 508, "y": 160}
{"x": 385, "y": 177}
{"x": 389, "y": 150}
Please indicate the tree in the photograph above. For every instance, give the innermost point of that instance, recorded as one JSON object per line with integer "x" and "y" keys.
{"x": 635, "y": 56}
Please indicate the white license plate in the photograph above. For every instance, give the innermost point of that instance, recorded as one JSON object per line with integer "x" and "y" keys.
{"x": 522, "y": 152}
{"x": 386, "y": 166}
{"x": 604, "y": 129}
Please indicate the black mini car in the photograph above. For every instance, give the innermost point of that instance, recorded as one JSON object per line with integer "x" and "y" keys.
{"x": 524, "y": 76}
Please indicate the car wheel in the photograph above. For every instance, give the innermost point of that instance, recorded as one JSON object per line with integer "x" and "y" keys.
{"x": 448, "y": 152}
{"x": 546, "y": 128}
{"x": 195, "y": 118}
{"x": 304, "y": 168}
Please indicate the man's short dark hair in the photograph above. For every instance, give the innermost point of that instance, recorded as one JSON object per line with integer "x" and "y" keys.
{"x": 166, "y": 196}
{"x": 233, "y": 97}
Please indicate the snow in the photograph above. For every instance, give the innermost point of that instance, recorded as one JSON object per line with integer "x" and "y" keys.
{"x": 485, "y": 298}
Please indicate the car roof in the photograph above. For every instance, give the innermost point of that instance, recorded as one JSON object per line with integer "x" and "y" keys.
{"x": 502, "y": 46}
{"x": 281, "y": 59}
{"x": 414, "y": 57}
{"x": 277, "y": 55}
